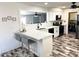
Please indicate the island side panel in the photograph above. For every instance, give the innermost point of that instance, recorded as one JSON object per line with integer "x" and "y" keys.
{"x": 40, "y": 47}
{"x": 45, "y": 47}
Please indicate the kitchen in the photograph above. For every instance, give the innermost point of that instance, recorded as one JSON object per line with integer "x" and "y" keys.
{"x": 32, "y": 27}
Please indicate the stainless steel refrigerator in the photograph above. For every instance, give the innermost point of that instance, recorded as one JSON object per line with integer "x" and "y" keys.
{"x": 77, "y": 27}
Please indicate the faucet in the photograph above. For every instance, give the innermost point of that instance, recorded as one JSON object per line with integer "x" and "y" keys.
{"x": 38, "y": 27}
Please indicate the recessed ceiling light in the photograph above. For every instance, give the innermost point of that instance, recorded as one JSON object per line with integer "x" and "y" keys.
{"x": 45, "y": 3}
{"x": 63, "y": 7}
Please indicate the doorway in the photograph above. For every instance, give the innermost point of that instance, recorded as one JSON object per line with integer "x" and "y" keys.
{"x": 72, "y": 22}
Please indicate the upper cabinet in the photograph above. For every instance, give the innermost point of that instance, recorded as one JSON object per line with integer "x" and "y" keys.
{"x": 52, "y": 14}
{"x": 49, "y": 16}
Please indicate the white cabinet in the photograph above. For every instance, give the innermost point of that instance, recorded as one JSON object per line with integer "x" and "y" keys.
{"x": 49, "y": 16}
{"x": 55, "y": 30}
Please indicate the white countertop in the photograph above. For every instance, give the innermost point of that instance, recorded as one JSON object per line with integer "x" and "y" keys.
{"x": 36, "y": 34}
{"x": 49, "y": 27}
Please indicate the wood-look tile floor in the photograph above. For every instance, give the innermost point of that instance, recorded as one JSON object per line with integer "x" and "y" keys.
{"x": 19, "y": 52}
{"x": 64, "y": 46}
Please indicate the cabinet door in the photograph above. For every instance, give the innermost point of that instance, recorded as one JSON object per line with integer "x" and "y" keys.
{"x": 29, "y": 19}
{"x": 47, "y": 46}
{"x": 56, "y": 31}
{"x": 49, "y": 16}
{"x": 36, "y": 20}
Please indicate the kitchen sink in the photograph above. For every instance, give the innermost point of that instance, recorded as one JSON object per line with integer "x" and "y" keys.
{"x": 40, "y": 29}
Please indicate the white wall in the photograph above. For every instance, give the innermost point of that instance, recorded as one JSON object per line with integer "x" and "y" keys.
{"x": 7, "y": 29}
{"x": 7, "y": 41}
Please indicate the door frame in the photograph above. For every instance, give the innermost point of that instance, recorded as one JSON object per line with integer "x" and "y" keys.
{"x": 69, "y": 18}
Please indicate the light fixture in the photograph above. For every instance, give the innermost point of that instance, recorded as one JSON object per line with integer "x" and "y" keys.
{"x": 35, "y": 15}
{"x": 63, "y": 7}
{"x": 45, "y": 3}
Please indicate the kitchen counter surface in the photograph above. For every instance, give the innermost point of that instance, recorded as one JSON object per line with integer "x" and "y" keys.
{"x": 36, "y": 34}
{"x": 51, "y": 27}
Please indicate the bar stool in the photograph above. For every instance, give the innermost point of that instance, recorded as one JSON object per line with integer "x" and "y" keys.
{"x": 30, "y": 42}
{"x": 53, "y": 41}
{"x": 28, "y": 46}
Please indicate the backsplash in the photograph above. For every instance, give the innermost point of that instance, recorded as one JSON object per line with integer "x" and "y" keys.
{"x": 34, "y": 26}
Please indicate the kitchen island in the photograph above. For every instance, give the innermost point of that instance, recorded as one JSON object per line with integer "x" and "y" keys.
{"x": 41, "y": 42}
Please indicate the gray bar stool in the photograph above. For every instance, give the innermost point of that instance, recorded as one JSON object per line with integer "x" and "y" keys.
{"x": 29, "y": 44}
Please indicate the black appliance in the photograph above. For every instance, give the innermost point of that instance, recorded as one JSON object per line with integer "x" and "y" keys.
{"x": 77, "y": 27}
{"x": 58, "y": 17}
{"x": 61, "y": 27}
{"x": 51, "y": 30}
{"x": 61, "y": 30}
{"x": 71, "y": 26}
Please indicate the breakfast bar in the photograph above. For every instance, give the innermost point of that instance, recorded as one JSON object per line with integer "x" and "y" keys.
{"x": 40, "y": 41}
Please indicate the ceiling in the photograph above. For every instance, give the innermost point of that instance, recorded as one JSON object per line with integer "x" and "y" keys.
{"x": 51, "y": 4}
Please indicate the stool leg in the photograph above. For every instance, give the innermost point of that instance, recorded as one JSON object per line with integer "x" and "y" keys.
{"x": 28, "y": 48}
{"x": 21, "y": 43}
{"x": 53, "y": 43}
